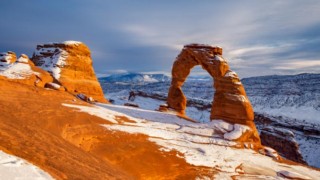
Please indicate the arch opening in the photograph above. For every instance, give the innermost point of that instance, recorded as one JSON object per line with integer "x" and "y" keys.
{"x": 199, "y": 94}
{"x": 230, "y": 102}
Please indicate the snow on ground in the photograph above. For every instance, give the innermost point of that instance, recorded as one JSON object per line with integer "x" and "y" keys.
{"x": 308, "y": 144}
{"x": 202, "y": 144}
{"x": 309, "y": 147}
{"x": 23, "y": 58}
{"x": 303, "y": 114}
{"x": 12, "y": 167}
{"x": 153, "y": 104}
{"x": 17, "y": 71}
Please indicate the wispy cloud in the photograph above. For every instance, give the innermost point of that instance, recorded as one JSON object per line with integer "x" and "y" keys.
{"x": 258, "y": 37}
{"x": 299, "y": 64}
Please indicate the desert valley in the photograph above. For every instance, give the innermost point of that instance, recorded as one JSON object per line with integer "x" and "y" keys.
{"x": 56, "y": 122}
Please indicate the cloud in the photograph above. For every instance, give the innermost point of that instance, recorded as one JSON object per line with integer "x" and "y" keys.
{"x": 258, "y": 37}
{"x": 298, "y": 65}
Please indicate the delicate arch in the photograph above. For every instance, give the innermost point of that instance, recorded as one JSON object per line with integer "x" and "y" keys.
{"x": 230, "y": 102}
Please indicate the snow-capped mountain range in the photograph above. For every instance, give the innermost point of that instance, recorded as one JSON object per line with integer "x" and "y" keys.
{"x": 136, "y": 78}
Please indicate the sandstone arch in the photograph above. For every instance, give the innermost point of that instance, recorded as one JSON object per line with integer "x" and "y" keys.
{"x": 230, "y": 102}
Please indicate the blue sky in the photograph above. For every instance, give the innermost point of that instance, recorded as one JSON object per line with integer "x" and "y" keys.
{"x": 258, "y": 37}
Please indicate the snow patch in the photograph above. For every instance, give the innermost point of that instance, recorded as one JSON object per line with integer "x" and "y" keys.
{"x": 236, "y": 97}
{"x": 222, "y": 126}
{"x": 53, "y": 85}
{"x": 54, "y": 62}
{"x": 218, "y": 58}
{"x": 198, "y": 142}
{"x": 96, "y": 111}
{"x": 18, "y": 71}
{"x": 231, "y": 74}
{"x": 302, "y": 114}
{"x": 237, "y": 132}
{"x": 23, "y": 59}
{"x": 71, "y": 42}
{"x": 12, "y": 167}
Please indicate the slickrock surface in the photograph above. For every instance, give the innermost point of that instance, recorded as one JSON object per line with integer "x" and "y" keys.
{"x": 72, "y": 139}
{"x": 73, "y": 145}
{"x": 70, "y": 64}
{"x": 230, "y": 102}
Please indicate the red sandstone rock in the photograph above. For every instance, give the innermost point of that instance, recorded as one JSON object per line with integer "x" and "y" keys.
{"x": 22, "y": 70}
{"x": 230, "y": 102}
{"x": 70, "y": 64}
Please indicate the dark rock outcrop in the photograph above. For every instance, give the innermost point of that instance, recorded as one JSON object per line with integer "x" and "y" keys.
{"x": 283, "y": 141}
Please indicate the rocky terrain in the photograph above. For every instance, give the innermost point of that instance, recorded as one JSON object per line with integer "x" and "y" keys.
{"x": 57, "y": 127}
{"x": 230, "y": 102}
{"x": 199, "y": 93}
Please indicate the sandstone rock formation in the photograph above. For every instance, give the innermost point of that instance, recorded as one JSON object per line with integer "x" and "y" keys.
{"x": 70, "y": 64}
{"x": 230, "y": 102}
{"x": 7, "y": 58}
{"x": 283, "y": 141}
{"x": 22, "y": 70}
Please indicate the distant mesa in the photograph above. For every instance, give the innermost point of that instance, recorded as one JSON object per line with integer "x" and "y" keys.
{"x": 230, "y": 101}
{"x": 61, "y": 66}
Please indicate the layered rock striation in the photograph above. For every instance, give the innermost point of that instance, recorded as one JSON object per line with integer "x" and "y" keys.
{"x": 63, "y": 66}
{"x": 70, "y": 65}
{"x": 283, "y": 141}
{"x": 230, "y": 102}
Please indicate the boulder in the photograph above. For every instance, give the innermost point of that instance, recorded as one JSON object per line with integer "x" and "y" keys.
{"x": 70, "y": 65}
{"x": 230, "y": 101}
{"x": 54, "y": 86}
{"x": 85, "y": 98}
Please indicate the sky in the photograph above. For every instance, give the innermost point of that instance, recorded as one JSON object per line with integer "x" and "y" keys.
{"x": 262, "y": 37}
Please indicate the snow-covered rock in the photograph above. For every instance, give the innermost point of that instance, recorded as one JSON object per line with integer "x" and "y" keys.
{"x": 197, "y": 143}
{"x": 22, "y": 70}
{"x": 300, "y": 115}
{"x": 70, "y": 64}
